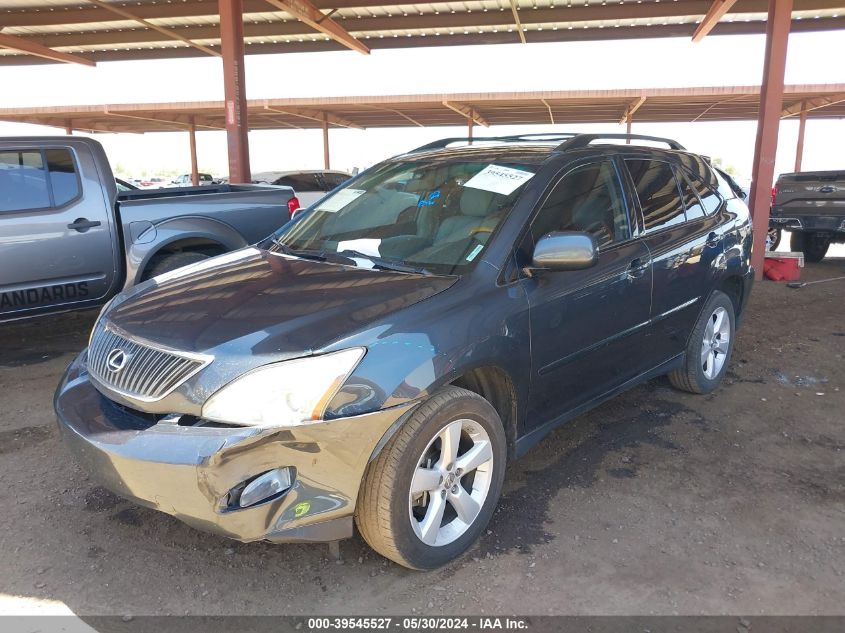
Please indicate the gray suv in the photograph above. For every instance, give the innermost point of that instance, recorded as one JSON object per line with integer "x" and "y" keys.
{"x": 382, "y": 356}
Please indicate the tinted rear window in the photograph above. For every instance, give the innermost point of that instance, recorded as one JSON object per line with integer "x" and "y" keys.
{"x": 658, "y": 192}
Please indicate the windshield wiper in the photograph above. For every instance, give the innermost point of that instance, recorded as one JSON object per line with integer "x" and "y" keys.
{"x": 301, "y": 253}
{"x": 386, "y": 264}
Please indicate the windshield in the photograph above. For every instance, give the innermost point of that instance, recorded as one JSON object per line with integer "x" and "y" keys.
{"x": 435, "y": 214}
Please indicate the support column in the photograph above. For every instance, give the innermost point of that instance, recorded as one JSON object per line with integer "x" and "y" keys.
{"x": 326, "y": 161}
{"x": 771, "y": 105}
{"x": 799, "y": 150}
{"x": 232, "y": 49}
{"x": 68, "y": 127}
{"x": 470, "y": 123}
{"x": 192, "y": 138}
{"x": 628, "y": 130}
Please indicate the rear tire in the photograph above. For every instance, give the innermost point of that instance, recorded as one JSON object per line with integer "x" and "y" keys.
{"x": 165, "y": 263}
{"x": 813, "y": 244}
{"x": 773, "y": 237}
{"x": 420, "y": 511}
{"x": 709, "y": 348}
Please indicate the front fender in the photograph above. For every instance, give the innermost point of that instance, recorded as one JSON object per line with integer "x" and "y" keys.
{"x": 168, "y": 232}
{"x": 407, "y": 366}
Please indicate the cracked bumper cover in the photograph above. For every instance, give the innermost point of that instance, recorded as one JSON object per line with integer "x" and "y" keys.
{"x": 188, "y": 471}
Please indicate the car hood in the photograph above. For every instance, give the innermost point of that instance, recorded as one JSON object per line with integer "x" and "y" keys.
{"x": 253, "y": 302}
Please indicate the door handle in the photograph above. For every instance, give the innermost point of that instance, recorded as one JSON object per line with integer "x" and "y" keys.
{"x": 712, "y": 240}
{"x": 637, "y": 268}
{"x": 83, "y": 224}
{"x": 826, "y": 189}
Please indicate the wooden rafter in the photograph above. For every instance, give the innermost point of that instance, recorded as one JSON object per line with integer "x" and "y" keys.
{"x": 811, "y": 104}
{"x": 172, "y": 34}
{"x": 715, "y": 13}
{"x": 32, "y": 48}
{"x": 306, "y": 12}
{"x": 631, "y": 109}
{"x": 467, "y": 111}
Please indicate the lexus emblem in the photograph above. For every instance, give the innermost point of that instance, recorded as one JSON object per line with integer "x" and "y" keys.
{"x": 116, "y": 360}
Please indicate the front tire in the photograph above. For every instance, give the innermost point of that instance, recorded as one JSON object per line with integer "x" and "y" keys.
{"x": 431, "y": 491}
{"x": 813, "y": 244}
{"x": 709, "y": 348}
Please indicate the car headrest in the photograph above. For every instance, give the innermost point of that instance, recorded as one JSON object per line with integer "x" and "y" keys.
{"x": 476, "y": 202}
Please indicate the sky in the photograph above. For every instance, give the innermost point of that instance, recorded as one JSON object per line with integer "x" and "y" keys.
{"x": 656, "y": 63}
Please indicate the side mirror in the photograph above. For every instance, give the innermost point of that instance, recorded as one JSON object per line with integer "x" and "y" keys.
{"x": 565, "y": 250}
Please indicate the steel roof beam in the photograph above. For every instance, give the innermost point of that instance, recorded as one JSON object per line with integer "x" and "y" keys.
{"x": 808, "y": 105}
{"x": 170, "y": 33}
{"x": 312, "y": 115}
{"x": 715, "y": 13}
{"x": 467, "y": 111}
{"x": 306, "y": 12}
{"x": 33, "y": 48}
{"x": 631, "y": 109}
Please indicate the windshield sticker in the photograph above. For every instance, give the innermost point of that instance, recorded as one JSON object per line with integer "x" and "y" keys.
{"x": 475, "y": 252}
{"x": 429, "y": 202}
{"x": 365, "y": 246}
{"x": 341, "y": 199}
{"x": 498, "y": 179}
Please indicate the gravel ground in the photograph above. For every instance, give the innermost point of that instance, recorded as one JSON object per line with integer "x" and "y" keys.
{"x": 658, "y": 502}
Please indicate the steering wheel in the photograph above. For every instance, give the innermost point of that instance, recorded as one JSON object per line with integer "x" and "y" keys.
{"x": 480, "y": 230}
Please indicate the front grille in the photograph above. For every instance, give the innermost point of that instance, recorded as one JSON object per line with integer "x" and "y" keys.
{"x": 143, "y": 372}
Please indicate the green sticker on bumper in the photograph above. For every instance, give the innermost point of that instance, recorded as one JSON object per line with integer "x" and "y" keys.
{"x": 301, "y": 509}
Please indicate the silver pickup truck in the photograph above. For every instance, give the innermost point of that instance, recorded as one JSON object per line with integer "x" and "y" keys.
{"x": 812, "y": 206}
{"x": 69, "y": 240}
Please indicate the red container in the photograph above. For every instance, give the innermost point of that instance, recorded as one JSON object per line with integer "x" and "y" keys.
{"x": 782, "y": 267}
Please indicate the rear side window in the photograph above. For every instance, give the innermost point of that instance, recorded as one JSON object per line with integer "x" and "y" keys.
{"x": 36, "y": 179}
{"x": 589, "y": 198}
{"x": 691, "y": 201}
{"x": 63, "y": 178}
{"x": 657, "y": 189}
{"x": 708, "y": 196}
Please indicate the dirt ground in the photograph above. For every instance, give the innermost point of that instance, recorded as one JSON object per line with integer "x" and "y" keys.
{"x": 658, "y": 502}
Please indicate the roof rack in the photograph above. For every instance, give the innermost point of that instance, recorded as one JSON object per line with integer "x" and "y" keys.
{"x": 583, "y": 140}
{"x": 529, "y": 138}
{"x": 570, "y": 140}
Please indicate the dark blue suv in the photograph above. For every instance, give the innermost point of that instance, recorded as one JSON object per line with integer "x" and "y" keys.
{"x": 381, "y": 357}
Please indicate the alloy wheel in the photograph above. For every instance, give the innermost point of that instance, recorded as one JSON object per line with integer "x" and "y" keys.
{"x": 716, "y": 343}
{"x": 451, "y": 482}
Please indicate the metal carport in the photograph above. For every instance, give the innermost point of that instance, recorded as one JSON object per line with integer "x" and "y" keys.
{"x": 87, "y": 31}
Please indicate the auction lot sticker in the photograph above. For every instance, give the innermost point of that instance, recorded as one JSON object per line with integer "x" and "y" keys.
{"x": 498, "y": 179}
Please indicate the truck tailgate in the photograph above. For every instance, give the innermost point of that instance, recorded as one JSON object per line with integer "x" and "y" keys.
{"x": 820, "y": 193}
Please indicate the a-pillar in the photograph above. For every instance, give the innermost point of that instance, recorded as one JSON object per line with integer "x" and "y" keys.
{"x": 326, "y": 158}
{"x": 771, "y": 105}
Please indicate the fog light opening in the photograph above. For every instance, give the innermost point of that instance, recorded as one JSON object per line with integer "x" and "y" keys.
{"x": 266, "y": 486}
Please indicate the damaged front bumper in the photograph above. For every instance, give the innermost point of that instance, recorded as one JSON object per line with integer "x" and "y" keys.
{"x": 191, "y": 471}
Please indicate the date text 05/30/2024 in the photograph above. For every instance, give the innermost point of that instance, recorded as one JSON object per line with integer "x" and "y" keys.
{"x": 419, "y": 623}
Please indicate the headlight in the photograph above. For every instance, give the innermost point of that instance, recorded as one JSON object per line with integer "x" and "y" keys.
{"x": 289, "y": 393}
